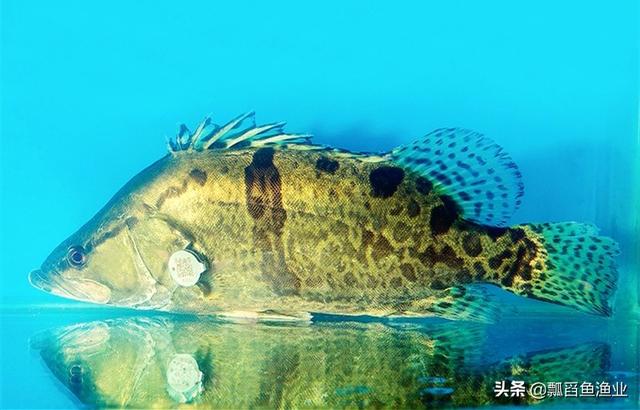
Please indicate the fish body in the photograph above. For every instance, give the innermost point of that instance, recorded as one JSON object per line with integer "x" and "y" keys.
{"x": 285, "y": 228}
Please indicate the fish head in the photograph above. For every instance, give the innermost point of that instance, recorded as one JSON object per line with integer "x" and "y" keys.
{"x": 120, "y": 261}
{"x": 95, "y": 264}
{"x": 120, "y": 256}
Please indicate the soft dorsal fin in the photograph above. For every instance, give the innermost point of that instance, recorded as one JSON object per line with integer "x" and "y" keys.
{"x": 241, "y": 132}
{"x": 470, "y": 168}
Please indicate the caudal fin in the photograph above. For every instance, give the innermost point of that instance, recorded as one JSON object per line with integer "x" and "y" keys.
{"x": 576, "y": 267}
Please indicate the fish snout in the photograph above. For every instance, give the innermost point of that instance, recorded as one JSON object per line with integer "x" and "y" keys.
{"x": 85, "y": 290}
{"x": 39, "y": 280}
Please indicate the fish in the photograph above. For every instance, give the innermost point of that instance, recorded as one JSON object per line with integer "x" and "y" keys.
{"x": 174, "y": 361}
{"x": 249, "y": 221}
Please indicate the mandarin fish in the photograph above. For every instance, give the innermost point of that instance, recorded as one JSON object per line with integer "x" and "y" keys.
{"x": 249, "y": 221}
{"x": 165, "y": 362}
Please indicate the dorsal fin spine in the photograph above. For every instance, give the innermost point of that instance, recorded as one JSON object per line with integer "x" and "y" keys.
{"x": 211, "y": 136}
{"x": 225, "y": 129}
{"x": 252, "y": 132}
{"x": 197, "y": 135}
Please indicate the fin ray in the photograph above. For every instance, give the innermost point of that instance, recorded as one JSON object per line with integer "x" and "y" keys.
{"x": 237, "y": 133}
{"x": 480, "y": 177}
{"x": 224, "y": 130}
{"x": 471, "y": 303}
{"x": 578, "y": 268}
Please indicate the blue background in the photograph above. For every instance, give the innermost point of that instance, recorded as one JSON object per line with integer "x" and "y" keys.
{"x": 91, "y": 90}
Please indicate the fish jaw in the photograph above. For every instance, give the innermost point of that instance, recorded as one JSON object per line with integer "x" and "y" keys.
{"x": 84, "y": 290}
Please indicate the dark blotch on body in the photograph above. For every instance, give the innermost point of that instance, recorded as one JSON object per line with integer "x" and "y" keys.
{"x": 395, "y": 282}
{"x": 447, "y": 255}
{"x": 413, "y": 209}
{"x": 495, "y": 232}
{"x": 349, "y": 279}
{"x": 521, "y": 266}
{"x": 264, "y": 188}
{"x": 516, "y": 234}
{"x": 480, "y": 271}
{"x": 131, "y": 221}
{"x": 401, "y": 232}
{"x": 408, "y": 272}
{"x": 423, "y": 185}
{"x": 438, "y": 285}
{"x": 171, "y": 192}
{"x": 514, "y": 269}
{"x": 325, "y": 164}
{"x": 471, "y": 244}
{"x": 264, "y": 203}
{"x": 385, "y": 180}
{"x": 381, "y": 248}
{"x": 496, "y": 261}
{"x": 198, "y": 175}
{"x": 395, "y": 211}
{"x": 367, "y": 238}
{"x": 464, "y": 276}
{"x": 443, "y": 216}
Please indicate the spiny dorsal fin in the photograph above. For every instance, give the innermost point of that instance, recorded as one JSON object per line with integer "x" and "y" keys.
{"x": 470, "y": 168}
{"x": 241, "y": 132}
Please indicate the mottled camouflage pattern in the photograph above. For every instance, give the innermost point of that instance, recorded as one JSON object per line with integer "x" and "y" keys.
{"x": 285, "y": 228}
{"x": 291, "y": 231}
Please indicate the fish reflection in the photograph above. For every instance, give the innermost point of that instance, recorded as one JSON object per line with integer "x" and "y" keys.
{"x": 160, "y": 362}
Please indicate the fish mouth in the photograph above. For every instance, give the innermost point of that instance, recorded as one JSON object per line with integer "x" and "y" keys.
{"x": 39, "y": 281}
{"x": 85, "y": 290}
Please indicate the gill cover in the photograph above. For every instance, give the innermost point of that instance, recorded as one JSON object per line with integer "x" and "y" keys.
{"x": 154, "y": 241}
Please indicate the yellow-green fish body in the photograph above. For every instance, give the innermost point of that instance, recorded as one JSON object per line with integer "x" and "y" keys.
{"x": 284, "y": 228}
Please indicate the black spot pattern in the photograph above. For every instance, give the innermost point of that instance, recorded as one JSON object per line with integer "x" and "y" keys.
{"x": 471, "y": 168}
{"x": 413, "y": 208}
{"x": 496, "y": 261}
{"x": 443, "y": 216}
{"x": 520, "y": 267}
{"x": 325, "y": 164}
{"x": 385, "y": 180}
{"x": 264, "y": 203}
{"x": 517, "y": 234}
{"x": 447, "y": 255}
{"x": 423, "y": 185}
{"x": 480, "y": 271}
{"x": 471, "y": 244}
{"x": 198, "y": 175}
{"x": 495, "y": 232}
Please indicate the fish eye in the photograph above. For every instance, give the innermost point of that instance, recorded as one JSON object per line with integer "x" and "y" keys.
{"x": 75, "y": 374}
{"x": 76, "y": 256}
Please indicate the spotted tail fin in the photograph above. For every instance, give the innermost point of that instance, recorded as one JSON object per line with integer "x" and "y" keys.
{"x": 576, "y": 267}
